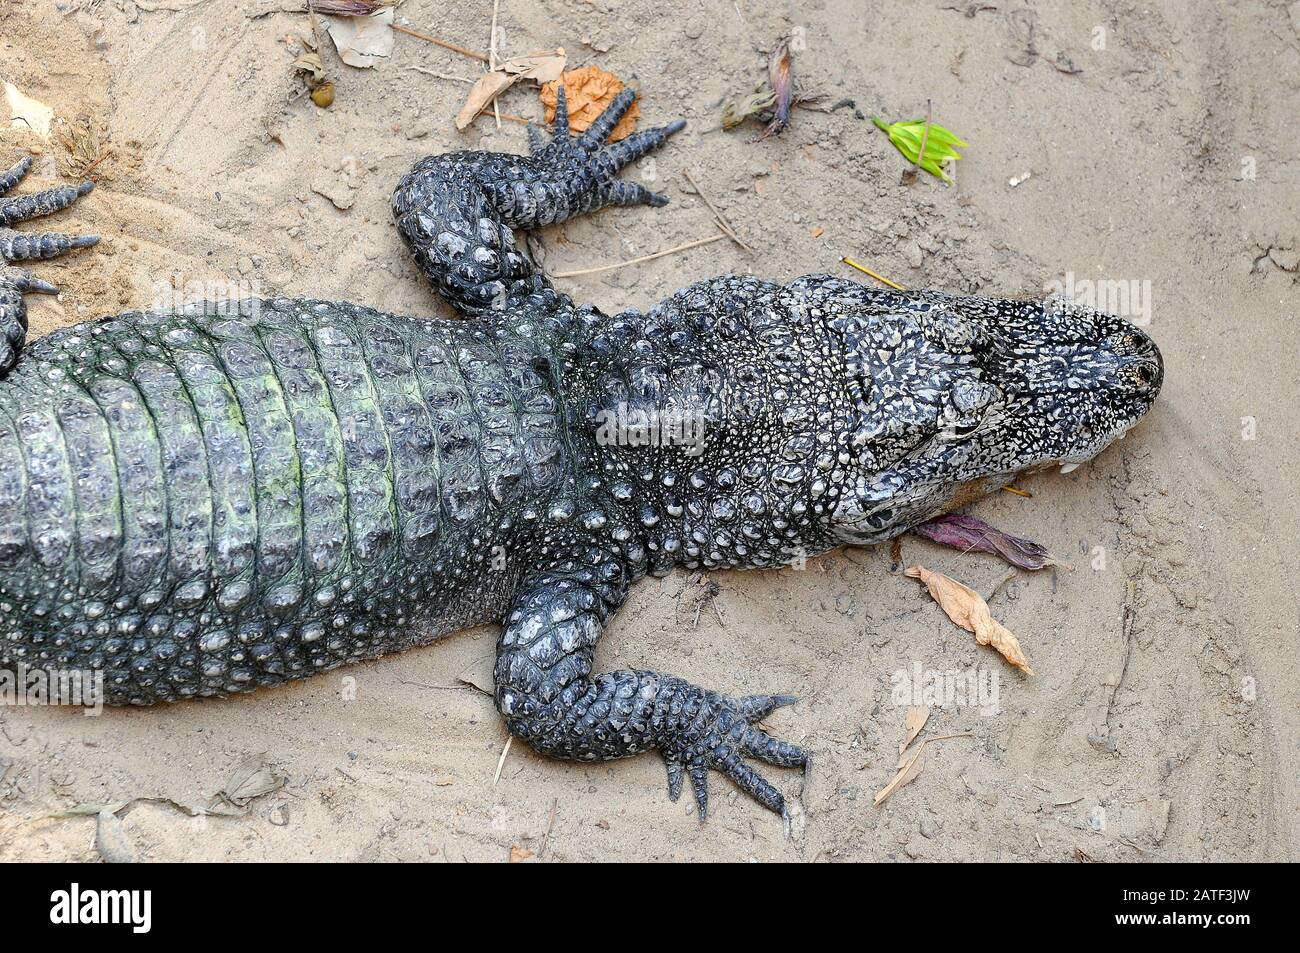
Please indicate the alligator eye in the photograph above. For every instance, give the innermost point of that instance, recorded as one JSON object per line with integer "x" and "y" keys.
{"x": 969, "y": 396}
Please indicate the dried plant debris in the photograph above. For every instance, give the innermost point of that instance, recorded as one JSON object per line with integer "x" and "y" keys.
{"x": 318, "y": 84}
{"x": 771, "y": 100}
{"x": 909, "y": 758}
{"x": 348, "y": 8}
{"x": 940, "y": 144}
{"x": 362, "y": 41}
{"x": 82, "y": 140}
{"x": 967, "y": 608}
{"x": 972, "y": 534}
{"x": 542, "y": 67}
{"x": 331, "y": 8}
{"x": 252, "y": 779}
{"x": 917, "y": 716}
{"x": 587, "y": 91}
{"x": 910, "y": 766}
{"x": 780, "y": 76}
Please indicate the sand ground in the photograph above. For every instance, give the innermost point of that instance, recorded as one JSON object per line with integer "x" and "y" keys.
{"x": 1159, "y": 139}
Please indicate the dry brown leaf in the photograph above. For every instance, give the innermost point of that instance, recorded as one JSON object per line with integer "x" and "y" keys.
{"x": 907, "y": 772}
{"x": 967, "y": 608}
{"x": 917, "y": 716}
{"x": 362, "y": 41}
{"x": 543, "y": 67}
{"x": 520, "y": 854}
{"x": 310, "y": 63}
{"x": 489, "y": 86}
{"x": 588, "y": 91}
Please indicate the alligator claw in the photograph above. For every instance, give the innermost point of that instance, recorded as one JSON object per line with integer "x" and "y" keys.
{"x": 25, "y": 246}
{"x": 28, "y": 246}
{"x": 589, "y": 160}
{"x": 720, "y": 735}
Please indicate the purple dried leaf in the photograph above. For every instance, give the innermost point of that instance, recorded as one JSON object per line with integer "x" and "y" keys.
{"x": 972, "y": 534}
{"x": 347, "y": 8}
{"x": 780, "y": 76}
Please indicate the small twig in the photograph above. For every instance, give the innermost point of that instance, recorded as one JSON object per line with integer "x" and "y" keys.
{"x": 550, "y": 822}
{"x": 636, "y": 261}
{"x": 440, "y": 688}
{"x": 492, "y": 56}
{"x": 433, "y": 72}
{"x": 501, "y": 761}
{"x": 925, "y": 137}
{"x": 91, "y": 168}
{"x": 867, "y": 271}
{"x": 437, "y": 42}
{"x": 508, "y": 116}
{"x": 315, "y": 27}
{"x": 722, "y": 219}
{"x": 960, "y": 734}
{"x": 1015, "y": 490}
{"x": 148, "y": 7}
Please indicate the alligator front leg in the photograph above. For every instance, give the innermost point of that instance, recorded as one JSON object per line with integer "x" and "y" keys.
{"x": 545, "y": 688}
{"x": 457, "y": 211}
{"x": 24, "y": 246}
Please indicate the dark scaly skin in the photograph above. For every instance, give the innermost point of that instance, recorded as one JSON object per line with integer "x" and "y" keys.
{"x": 202, "y": 503}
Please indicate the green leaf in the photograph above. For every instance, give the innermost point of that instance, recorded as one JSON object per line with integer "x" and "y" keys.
{"x": 906, "y": 135}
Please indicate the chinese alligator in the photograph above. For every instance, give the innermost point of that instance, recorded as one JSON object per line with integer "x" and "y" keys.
{"x": 225, "y": 497}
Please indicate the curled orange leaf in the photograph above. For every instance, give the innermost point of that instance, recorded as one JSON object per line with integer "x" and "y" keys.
{"x": 587, "y": 91}
{"x": 967, "y": 608}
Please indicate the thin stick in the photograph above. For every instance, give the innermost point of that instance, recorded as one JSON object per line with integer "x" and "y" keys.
{"x": 636, "y": 261}
{"x": 433, "y": 72}
{"x": 501, "y": 761}
{"x": 722, "y": 219}
{"x": 1017, "y": 491}
{"x": 550, "y": 822}
{"x": 867, "y": 271}
{"x": 960, "y": 734}
{"x": 437, "y": 42}
{"x": 492, "y": 57}
{"x": 91, "y": 168}
{"x": 925, "y": 137}
{"x": 511, "y": 117}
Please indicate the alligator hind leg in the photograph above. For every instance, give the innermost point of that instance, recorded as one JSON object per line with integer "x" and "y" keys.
{"x": 545, "y": 688}
{"x": 457, "y": 211}
{"x": 26, "y": 246}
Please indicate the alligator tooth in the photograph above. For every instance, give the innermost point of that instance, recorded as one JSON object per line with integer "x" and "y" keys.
{"x": 1069, "y": 467}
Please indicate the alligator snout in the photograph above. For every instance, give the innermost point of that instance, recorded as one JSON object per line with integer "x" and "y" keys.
{"x": 1140, "y": 368}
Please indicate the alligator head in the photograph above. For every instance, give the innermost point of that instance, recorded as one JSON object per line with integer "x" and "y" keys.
{"x": 956, "y": 396}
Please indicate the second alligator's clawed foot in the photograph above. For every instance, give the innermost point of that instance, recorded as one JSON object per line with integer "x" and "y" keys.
{"x": 26, "y": 246}
{"x": 29, "y": 246}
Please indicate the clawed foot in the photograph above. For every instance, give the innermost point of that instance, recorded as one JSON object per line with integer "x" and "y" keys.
{"x": 709, "y": 730}
{"x": 26, "y": 246}
{"x": 588, "y": 166}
